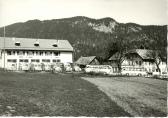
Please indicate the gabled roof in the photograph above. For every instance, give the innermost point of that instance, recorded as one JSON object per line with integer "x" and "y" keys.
{"x": 85, "y": 60}
{"x": 143, "y": 53}
{"x": 28, "y": 44}
{"x": 114, "y": 57}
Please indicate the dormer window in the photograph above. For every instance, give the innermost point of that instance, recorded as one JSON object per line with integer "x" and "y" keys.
{"x": 17, "y": 43}
{"x": 36, "y": 44}
{"x": 55, "y": 45}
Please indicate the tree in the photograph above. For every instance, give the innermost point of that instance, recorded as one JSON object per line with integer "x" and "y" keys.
{"x": 42, "y": 66}
{"x": 156, "y": 55}
{"x": 120, "y": 46}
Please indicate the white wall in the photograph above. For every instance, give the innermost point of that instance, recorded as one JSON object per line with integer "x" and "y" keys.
{"x": 65, "y": 57}
{"x": 150, "y": 67}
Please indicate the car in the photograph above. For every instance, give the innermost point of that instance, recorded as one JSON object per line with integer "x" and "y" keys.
{"x": 37, "y": 67}
{"x": 68, "y": 67}
{"x": 77, "y": 69}
{"x": 57, "y": 69}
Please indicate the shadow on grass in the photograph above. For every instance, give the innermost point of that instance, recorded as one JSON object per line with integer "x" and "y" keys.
{"x": 46, "y": 94}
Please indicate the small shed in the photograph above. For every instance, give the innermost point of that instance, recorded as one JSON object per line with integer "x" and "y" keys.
{"x": 83, "y": 61}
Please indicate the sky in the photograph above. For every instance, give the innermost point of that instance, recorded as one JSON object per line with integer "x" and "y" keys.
{"x": 144, "y": 12}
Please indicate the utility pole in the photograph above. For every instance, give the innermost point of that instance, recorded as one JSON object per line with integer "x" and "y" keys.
{"x": 4, "y": 47}
{"x": 167, "y": 48}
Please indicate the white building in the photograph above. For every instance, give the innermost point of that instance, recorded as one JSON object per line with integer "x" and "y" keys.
{"x": 21, "y": 53}
{"x": 140, "y": 61}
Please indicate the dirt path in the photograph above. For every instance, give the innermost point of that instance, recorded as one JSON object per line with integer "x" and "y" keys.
{"x": 137, "y": 96}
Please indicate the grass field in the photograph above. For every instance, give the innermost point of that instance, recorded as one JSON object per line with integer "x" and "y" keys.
{"x": 46, "y": 94}
{"x": 138, "y": 96}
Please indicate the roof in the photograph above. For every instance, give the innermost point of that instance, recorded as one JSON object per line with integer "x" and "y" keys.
{"x": 114, "y": 57}
{"x": 143, "y": 53}
{"x": 85, "y": 60}
{"x": 28, "y": 44}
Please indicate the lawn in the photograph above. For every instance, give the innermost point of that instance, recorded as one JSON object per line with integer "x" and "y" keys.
{"x": 46, "y": 94}
{"x": 138, "y": 96}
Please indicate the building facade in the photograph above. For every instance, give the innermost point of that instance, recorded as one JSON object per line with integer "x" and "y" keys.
{"x": 40, "y": 54}
{"x": 140, "y": 61}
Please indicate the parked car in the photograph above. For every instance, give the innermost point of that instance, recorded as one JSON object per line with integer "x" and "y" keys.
{"x": 58, "y": 67}
{"x": 11, "y": 66}
{"x": 37, "y": 67}
{"x": 25, "y": 67}
{"x": 68, "y": 67}
{"x": 77, "y": 69}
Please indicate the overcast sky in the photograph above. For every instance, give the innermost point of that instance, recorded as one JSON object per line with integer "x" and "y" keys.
{"x": 145, "y": 12}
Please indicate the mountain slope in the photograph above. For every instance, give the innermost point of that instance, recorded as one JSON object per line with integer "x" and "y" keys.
{"x": 91, "y": 36}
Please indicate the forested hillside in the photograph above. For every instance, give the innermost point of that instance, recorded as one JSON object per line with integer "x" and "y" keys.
{"x": 100, "y": 37}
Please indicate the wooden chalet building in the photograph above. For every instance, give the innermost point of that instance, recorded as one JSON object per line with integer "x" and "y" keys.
{"x": 83, "y": 61}
{"x": 139, "y": 60}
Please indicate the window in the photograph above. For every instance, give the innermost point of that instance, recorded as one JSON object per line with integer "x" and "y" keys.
{"x": 56, "y": 60}
{"x": 9, "y": 53}
{"x": 140, "y": 63}
{"x": 12, "y": 52}
{"x": 45, "y": 60}
{"x": 17, "y": 43}
{"x": 20, "y": 53}
{"x": 37, "y": 53}
{"x": 26, "y": 60}
{"x": 136, "y": 62}
{"x": 30, "y": 53}
{"x": 41, "y": 53}
{"x": 55, "y": 45}
{"x": 21, "y": 60}
{"x": 35, "y": 60}
{"x": 11, "y": 60}
{"x": 36, "y": 44}
{"x": 56, "y": 53}
{"x": 48, "y": 53}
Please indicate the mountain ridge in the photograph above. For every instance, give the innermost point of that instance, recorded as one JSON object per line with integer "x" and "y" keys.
{"x": 91, "y": 36}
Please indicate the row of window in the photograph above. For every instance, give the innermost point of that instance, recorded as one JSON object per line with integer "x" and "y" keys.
{"x": 31, "y": 53}
{"x": 141, "y": 69}
{"x": 133, "y": 69}
{"x": 140, "y": 63}
{"x": 35, "y": 44}
{"x": 131, "y": 57}
{"x": 136, "y": 62}
{"x": 34, "y": 60}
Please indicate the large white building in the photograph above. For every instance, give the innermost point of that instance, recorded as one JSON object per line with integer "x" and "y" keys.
{"x": 21, "y": 53}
